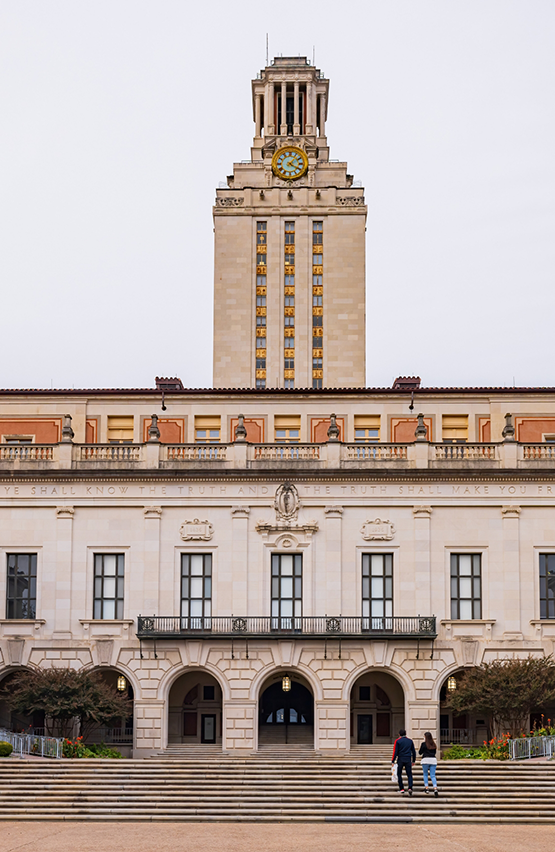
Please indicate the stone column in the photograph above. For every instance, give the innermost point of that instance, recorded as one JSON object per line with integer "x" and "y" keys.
{"x": 270, "y": 110}
{"x": 64, "y": 547}
{"x": 296, "y": 124}
{"x": 283, "y": 127}
{"x": 331, "y": 727}
{"x": 151, "y": 559}
{"x": 322, "y": 115}
{"x": 239, "y": 726}
{"x": 148, "y": 720}
{"x": 422, "y": 716}
{"x": 309, "y": 129}
{"x": 237, "y": 582}
{"x": 422, "y": 559}
{"x": 257, "y": 116}
{"x": 331, "y": 604}
{"x": 510, "y": 595}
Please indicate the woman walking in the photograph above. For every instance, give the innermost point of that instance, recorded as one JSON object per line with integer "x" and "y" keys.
{"x": 428, "y": 751}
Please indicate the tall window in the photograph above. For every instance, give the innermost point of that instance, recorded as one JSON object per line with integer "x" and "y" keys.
{"x": 466, "y": 585}
{"x": 367, "y": 428}
{"x": 377, "y": 589}
{"x": 317, "y": 304}
{"x": 108, "y": 585}
{"x": 547, "y": 585}
{"x": 120, "y": 430}
{"x": 455, "y": 428}
{"x": 287, "y": 590}
{"x": 196, "y": 589}
{"x": 289, "y": 307}
{"x": 261, "y": 306}
{"x": 21, "y": 597}
{"x": 287, "y": 429}
{"x": 207, "y": 430}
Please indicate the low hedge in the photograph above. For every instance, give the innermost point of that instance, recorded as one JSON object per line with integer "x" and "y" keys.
{"x": 5, "y": 749}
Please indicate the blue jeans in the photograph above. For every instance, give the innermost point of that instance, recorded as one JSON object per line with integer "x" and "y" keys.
{"x": 432, "y": 768}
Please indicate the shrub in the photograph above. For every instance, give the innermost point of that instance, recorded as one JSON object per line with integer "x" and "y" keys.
{"x": 77, "y": 749}
{"x": 5, "y": 749}
{"x": 459, "y": 752}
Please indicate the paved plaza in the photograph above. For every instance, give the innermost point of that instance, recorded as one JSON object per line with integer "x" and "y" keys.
{"x": 270, "y": 837}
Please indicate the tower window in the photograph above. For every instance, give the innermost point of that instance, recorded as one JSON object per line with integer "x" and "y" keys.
{"x": 289, "y": 364}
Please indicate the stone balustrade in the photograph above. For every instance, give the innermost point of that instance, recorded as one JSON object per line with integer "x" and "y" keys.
{"x": 241, "y": 455}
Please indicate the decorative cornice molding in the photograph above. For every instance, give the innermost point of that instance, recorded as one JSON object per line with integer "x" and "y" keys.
{"x": 65, "y": 512}
{"x": 153, "y": 512}
{"x": 422, "y": 511}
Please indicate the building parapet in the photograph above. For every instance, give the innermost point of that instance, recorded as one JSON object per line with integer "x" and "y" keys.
{"x": 240, "y": 455}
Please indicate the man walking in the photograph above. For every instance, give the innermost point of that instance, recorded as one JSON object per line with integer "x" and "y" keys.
{"x": 405, "y": 754}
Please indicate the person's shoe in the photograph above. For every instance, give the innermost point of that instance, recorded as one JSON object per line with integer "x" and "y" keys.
{"x": 436, "y": 793}
{"x": 410, "y": 792}
{"x": 400, "y": 791}
{"x": 426, "y": 790}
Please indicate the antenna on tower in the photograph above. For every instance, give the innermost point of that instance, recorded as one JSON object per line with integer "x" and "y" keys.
{"x": 267, "y": 63}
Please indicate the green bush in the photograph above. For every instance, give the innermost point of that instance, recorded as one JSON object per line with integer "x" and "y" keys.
{"x": 5, "y": 749}
{"x": 459, "y": 752}
{"x": 77, "y": 749}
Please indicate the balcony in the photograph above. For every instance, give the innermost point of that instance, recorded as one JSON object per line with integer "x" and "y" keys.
{"x": 307, "y": 627}
{"x": 278, "y": 457}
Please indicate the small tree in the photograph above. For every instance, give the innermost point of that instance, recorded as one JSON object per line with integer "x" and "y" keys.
{"x": 65, "y": 695}
{"x": 506, "y": 691}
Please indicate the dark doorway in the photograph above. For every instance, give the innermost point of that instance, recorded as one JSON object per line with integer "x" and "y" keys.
{"x": 208, "y": 728}
{"x": 364, "y": 729}
{"x": 286, "y": 717}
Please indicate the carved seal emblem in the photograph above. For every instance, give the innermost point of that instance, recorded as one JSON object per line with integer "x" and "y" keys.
{"x": 196, "y": 530}
{"x": 378, "y": 530}
{"x": 287, "y": 502}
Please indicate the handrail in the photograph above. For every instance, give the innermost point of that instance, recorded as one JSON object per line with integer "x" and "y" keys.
{"x": 524, "y": 748}
{"x": 33, "y": 745}
{"x": 325, "y": 626}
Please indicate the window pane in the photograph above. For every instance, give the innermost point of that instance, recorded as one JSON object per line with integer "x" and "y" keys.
{"x": 465, "y": 587}
{"x": 377, "y": 564}
{"x": 286, "y": 587}
{"x": 287, "y": 564}
{"x": 109, "y": 587}
{"x": 377, "y": 609}
{"x": 185, "y": 587}
{"x": 377, "y": 587}
{"x": 287, "y": 607}
{"x": 465, "y": 564}
{"x": 196, "y": 587}
{"x": 196, "y": 564}
{"x": 109, "y": 609}
{"x": 97, "y": 611}
{"x": 196, "y": 608}
{"x": 465, "y": 609}
{"x": 109, "y": 565}
{"x": 208, "y": 587}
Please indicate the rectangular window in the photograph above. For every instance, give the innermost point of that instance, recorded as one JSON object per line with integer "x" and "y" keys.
{"x": 260, "y": 383}
{"x": 547, "y": 585}
{"x": 466, "y": 586}
{"x": 316, "y": 363}
{"x": 287, "y": 429}
{"x": 289, "y": 363}
{"x": 289, "y": 384}
{"x": 261, "y": 301}
{"x": 207, "y": 430}
{"x": 317, "y": 342}
{"x": 455, "y": 428}
{"x": 260, "y": 363}
{"x": 289, "y": 322}
{"x": 261, "y": 343}
{"x": 287, "y": 590}
{"x": 377, "y": 590}
{"x": 367, "y": 428}
{"x": 120, "y": 430}
{"x": 261, "y": 321}
{"x": 317, "y": 301}
{"x": 21, "y": 596}
{"x": 289, "y": 342}
{"x": 317, "y": 384}
{"x": 317, "y": 321}
{"x": 108, "y": 585}
{"x": 318, "y": 259}
{"x": 196, "y": 590}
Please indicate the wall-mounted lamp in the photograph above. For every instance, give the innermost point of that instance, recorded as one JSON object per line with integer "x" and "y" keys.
{"x": 451, "y": 684}
{"x": 286, "y": 683}
{"x": 122, "y": 684}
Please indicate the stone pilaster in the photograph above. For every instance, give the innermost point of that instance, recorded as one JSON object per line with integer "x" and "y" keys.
{"x": 64, "y": 547}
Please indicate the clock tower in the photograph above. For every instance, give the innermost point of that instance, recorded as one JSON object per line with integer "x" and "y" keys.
{"x": 289, "y": 286}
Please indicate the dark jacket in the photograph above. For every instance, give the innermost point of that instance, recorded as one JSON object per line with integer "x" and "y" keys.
{"x": 427, "y": 752}
{"x": 404, "y": 751}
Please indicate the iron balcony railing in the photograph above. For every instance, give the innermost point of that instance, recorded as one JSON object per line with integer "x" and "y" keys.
{"x": 323, "y": 626}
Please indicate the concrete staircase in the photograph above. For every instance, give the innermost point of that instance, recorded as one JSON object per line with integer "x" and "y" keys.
{"x": 262, "y": 788}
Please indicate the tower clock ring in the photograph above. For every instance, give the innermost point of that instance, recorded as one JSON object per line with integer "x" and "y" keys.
{"x": 289, "y": 163}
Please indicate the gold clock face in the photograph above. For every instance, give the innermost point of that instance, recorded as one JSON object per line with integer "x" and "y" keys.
{"x": 289, "y": 163}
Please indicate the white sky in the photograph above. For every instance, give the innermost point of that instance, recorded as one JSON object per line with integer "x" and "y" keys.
{"x": 120, "y": 117}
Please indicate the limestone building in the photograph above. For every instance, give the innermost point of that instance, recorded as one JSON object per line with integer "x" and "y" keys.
{"x": 262, "y": 566}
{"x": 289, "y": 272}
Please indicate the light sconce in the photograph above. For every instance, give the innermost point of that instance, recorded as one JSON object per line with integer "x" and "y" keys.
{"x": 286, "y": 683}
{"x": 451, "y": 684}
{"x": 122, "y": 684}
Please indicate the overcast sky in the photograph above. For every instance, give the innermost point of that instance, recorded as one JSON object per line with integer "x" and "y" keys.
{"x": 120, "y": 117}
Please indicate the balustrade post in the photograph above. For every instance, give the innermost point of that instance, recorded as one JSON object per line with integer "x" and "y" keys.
{"x": 64, "y": 455}
{"x": 333, "y": 454}
{"x": 509, "y": 454}
{"x": 239, "y": 450}
{"x": 420, "y": 453}
{"x": 152, "y": 454}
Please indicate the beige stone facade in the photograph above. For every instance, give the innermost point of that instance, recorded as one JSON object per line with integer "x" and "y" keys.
{"x": 154, "y": 501}
{"x": 323, "y": 194}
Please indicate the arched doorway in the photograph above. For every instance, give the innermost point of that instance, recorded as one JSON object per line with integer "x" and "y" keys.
{"x": 459, "y": 728}
{"x": 13, "y": 720}
{"x": 286, "y": 711}
{"x": 119, "y": 731}
{"x": 195, "y": 709}
{"x": 377, "y": 709}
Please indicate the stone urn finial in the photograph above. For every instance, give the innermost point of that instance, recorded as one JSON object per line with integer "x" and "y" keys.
{"x": 333, "y": 429}
{"x": 509, "y": 430}
{"x": 421, "y": 433}
{"x": 153, "y": 430}
{"x": 240, "y": 429}
{"x": 67, "y": 432}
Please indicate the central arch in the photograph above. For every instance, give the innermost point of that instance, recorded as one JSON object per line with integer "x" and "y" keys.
{"x": 286, "y": 715}
{"x": 195, "y": 709}
{"x": 377, "y": 705}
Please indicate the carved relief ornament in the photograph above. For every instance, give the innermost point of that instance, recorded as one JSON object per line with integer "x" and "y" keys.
{"x": 196, "y": 530}
{"x": 378, "y": 530}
